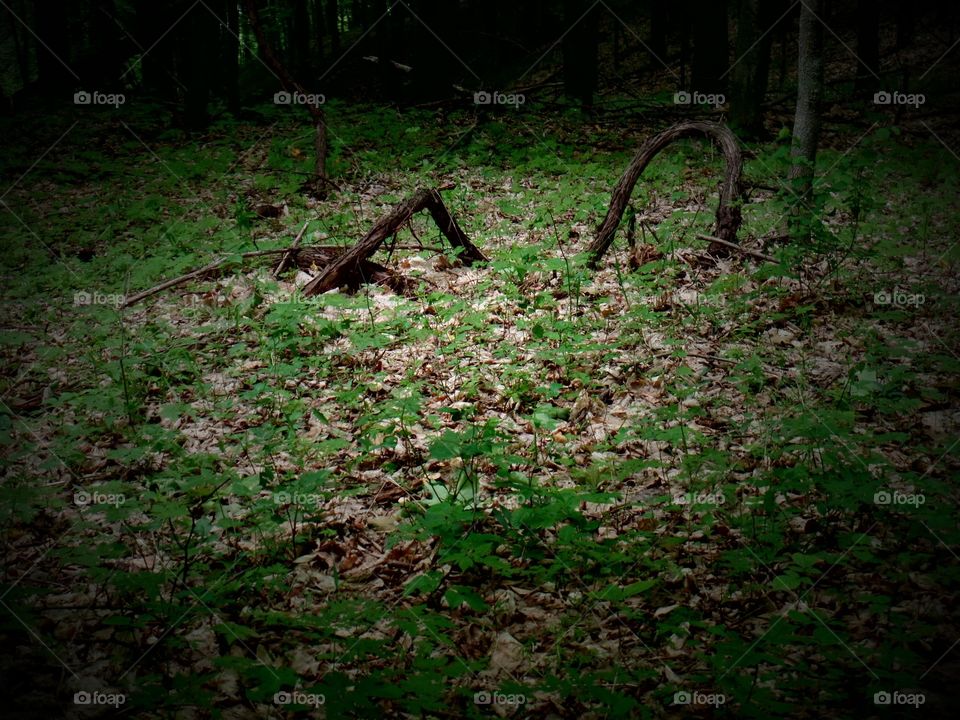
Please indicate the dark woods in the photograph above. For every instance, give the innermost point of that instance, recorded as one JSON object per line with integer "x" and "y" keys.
{"x": 202, "y": 59}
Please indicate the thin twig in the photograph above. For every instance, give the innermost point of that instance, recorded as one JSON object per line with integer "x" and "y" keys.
{"x": 282, "y": 265}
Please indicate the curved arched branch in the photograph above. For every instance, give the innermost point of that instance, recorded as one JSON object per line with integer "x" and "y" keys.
{"x": 728, "y": 211}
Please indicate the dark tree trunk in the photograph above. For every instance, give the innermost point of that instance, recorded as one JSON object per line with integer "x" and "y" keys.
{"x": 868, "y": 46}
{"x": 290, "y": 84}
{"x": 111, "y": 47}
{"x": 748, "y": 78}
{"x": 806, "y": 123}
{"x": 333, "y": 25}
{"x": 710, "y": 46}
{"x": 300, "y": 39}
{"x": 230, "y": 56}
{"x": 319, "y": 31}
{"x": 194, "y": 61}
{"x": 21, "y": 47}
{"x": 659, "y": 29}
{"x": 53, "y": 49}
{"x": 157, "y": 65}
{"x": 580, "y": 47}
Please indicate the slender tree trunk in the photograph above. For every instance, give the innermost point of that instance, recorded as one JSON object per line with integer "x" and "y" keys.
{"x": 230, "y": 54}
{"x": 53, "y": 48}
{"x": 157, "y": 66}
{"x": 194, "y": 60}
{"x": 290, "y": 84}
{"x": 748, "y": 78}
{"x": 300, "y": 39}
{"x": 657, "y": 40}
{"x": 868, "y": 46}
{"x": 319, "y": 30}
{"x": 580, "y": 51}
{"x": 333, "y": 25}
{"x": 711, "y": 55}
{"x": 806, "y": 122}
{"x": 21, "y": 48}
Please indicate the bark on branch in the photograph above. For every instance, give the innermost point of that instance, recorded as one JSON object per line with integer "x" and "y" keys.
{"x": 728, "y": 211}
{"x": 345, "y": 269}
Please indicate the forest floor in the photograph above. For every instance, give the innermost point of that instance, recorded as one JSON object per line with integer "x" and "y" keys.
{"x": 677, "y": 485}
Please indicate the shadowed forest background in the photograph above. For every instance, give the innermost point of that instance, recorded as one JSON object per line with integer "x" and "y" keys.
{"x": 434, "y": 359}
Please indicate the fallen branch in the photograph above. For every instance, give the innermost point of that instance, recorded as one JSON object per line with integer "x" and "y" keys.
{"x": 307, "y": 259}
{"x": 348, "y": 269}
{"x": 728, "y": 211}
{"x": 739, "y": 248}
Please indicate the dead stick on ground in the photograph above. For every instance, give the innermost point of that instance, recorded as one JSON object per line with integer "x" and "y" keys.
{"x": 739, "y": 248}
{"x": 167, "y": 284}
{"x": 282, "y": 265}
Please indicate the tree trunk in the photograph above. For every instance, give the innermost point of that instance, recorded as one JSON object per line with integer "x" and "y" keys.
{"x": 53, "y": 47}
{"x": 290, "y": 84}
{"x": 868, "y": 47}
{"x": 731, "y": 192}
{"x": 300, "y": 39}
{"x": 748, "y": 77}
{"x": 333, "y": 26}
{"x": 806, "y": 122}
{"x": 193, "y": 66}
{"x": 657, "y": 40}
{"x": 711, "y": 54}
{"x": 580, "y": 51}
{"x": 230, "y": 53}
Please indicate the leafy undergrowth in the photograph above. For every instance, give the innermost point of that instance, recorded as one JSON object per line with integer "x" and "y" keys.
{"x": 675, "y": 485}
